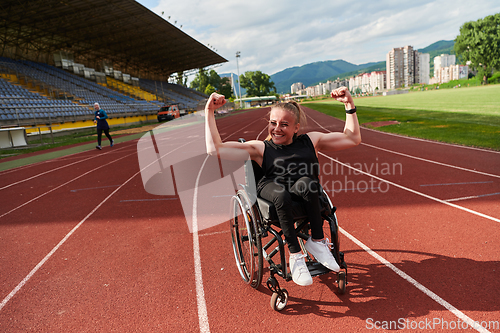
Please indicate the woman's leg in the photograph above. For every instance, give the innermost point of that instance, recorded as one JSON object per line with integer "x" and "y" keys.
{"x": 99, "y": 136}
{"x": 106, "y": 131}
{"x": 307, "y": 189}
{"x": 282, "y": 200}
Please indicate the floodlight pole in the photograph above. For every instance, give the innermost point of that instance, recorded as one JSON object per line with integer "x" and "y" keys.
{"x": 239, "y": 85}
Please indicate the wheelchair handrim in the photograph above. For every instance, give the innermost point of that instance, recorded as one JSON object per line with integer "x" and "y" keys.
{"x": 235, "y": 235}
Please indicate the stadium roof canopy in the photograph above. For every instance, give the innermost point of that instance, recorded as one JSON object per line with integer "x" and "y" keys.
{"x": 122, "y": 32}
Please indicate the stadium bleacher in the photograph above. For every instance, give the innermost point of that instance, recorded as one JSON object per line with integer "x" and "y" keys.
{"x": 22, "y": 104}
{"x": 186, "y": 98}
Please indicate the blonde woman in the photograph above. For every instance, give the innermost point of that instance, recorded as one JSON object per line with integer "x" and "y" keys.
{"x": 291, "y": 170}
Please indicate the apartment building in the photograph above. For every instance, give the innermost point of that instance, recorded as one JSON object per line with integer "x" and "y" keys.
{"x": 322, "y": 88}
{"x": 402, "y": 67}
{"x": 444, "y": 60}
{"x": 452, "y": 72}
{"x": 424, "y": 67}
{"x": 296, "y": 87}
{"x": 368, "y": 82}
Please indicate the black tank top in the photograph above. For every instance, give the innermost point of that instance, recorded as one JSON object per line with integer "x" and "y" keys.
{"x": 285, "y": 164}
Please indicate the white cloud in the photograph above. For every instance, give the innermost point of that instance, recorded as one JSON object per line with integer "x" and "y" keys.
{"x": 274, "y": 35}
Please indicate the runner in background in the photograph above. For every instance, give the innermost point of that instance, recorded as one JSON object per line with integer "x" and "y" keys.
{"x": 100, "y": 117}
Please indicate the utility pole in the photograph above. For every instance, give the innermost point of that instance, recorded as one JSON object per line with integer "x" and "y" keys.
{"x": 239, "y": 85}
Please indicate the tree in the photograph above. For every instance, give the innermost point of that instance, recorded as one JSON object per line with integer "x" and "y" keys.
{"x": 209, "y": 89}
{"x": 204, "y": 80}
{"x": 201, "y": 81}
{"x": 214, "y": 79}
{"x": 257, "y": 84}
{"x": 180, "y": 79}
{"x": 225, "y": 87}
{"x": 479, "y": 43}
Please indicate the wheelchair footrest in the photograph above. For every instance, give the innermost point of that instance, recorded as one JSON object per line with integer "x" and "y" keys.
{"x": 315, "y": 268}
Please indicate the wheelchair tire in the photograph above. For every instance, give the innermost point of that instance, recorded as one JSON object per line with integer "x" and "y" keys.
{"x": 246, "y": 241}
{"x": 278, "y": 303}
{"x": 342, "y": 282}
{"x": 334, "y": 233}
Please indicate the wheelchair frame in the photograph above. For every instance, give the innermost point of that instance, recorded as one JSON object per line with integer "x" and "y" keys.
{"x": 249, "y": 227}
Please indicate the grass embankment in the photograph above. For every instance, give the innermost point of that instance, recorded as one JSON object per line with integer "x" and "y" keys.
{"x": 465, "y": 116}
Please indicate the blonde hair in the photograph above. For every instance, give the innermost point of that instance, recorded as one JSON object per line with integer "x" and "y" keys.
{"x": 294, "y": 108}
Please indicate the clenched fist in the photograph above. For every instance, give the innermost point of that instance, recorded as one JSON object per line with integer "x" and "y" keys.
{"x": 215, "y": 101}
{"x": 343, "y": 95}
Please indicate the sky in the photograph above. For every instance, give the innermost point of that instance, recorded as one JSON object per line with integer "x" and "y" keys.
{"x": 272, "y": 35}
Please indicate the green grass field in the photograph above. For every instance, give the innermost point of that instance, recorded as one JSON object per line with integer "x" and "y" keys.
{"x": 466, "y": 116}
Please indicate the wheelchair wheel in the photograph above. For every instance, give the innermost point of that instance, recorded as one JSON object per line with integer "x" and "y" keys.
{"x": 342, "y": 282}
{"x": 334, "y": 233}
{"x": 278, "y": 302}
{"x": 247, "y": 246}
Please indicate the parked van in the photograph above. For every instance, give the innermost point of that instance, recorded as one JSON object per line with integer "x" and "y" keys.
{"x": 168, "y": 112}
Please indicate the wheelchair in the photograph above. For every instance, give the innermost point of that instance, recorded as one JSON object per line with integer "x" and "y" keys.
{"x": 253, "y": 220}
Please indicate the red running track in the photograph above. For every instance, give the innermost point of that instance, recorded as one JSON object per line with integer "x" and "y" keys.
{"x": 84, "y": 248}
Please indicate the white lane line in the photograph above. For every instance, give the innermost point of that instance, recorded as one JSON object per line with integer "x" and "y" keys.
{"x": 86, "y": 173}
{"x": 200, "y": 291}
{"x": 430, "y": 141}
{"x": 418, "y": 158}
{"x": 473, "y": 197}
{"x": 143, "y": 200}
{"x": 214, "y": 233}
{"x": 253, "y": 122}
{"x": 430, "y": 161}
{"x": 447, "y": 184}
{"x": 413, "y": 191}
{"x": 49, "y": 255}
{"x": 429, "y": 293}
{"x": 472, "y": 324}
{"x": 93, "y": 188}
{"x": 52, "y": 170}
{"x": 58, "y": 187}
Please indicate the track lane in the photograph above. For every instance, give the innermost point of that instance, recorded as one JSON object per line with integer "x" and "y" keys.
{"x": 417, "y": 212}
{"x": 126, "y": 204}
{"x": 233, "y": 305}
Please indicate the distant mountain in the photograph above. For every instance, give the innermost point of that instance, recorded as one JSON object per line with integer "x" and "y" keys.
{"x": 365, "y": 68}
{"x": 310, "y": 74}
{"x": 441, "y": 47}
{"x": 322, "y": 71}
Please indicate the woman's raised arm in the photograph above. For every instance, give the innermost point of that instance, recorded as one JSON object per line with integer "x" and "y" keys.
{"x": 350, "y": 137}
{"x": 212, "y": 137}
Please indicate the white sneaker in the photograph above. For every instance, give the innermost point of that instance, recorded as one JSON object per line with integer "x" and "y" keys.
{"x": 299, "y": 270}
{"x": 321, "y": 251}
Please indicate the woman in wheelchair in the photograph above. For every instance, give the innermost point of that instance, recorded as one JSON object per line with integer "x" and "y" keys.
{"x": 291, "y": 170}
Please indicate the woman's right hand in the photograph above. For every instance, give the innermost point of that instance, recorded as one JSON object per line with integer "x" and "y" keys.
{"x": 214, "y": 102}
